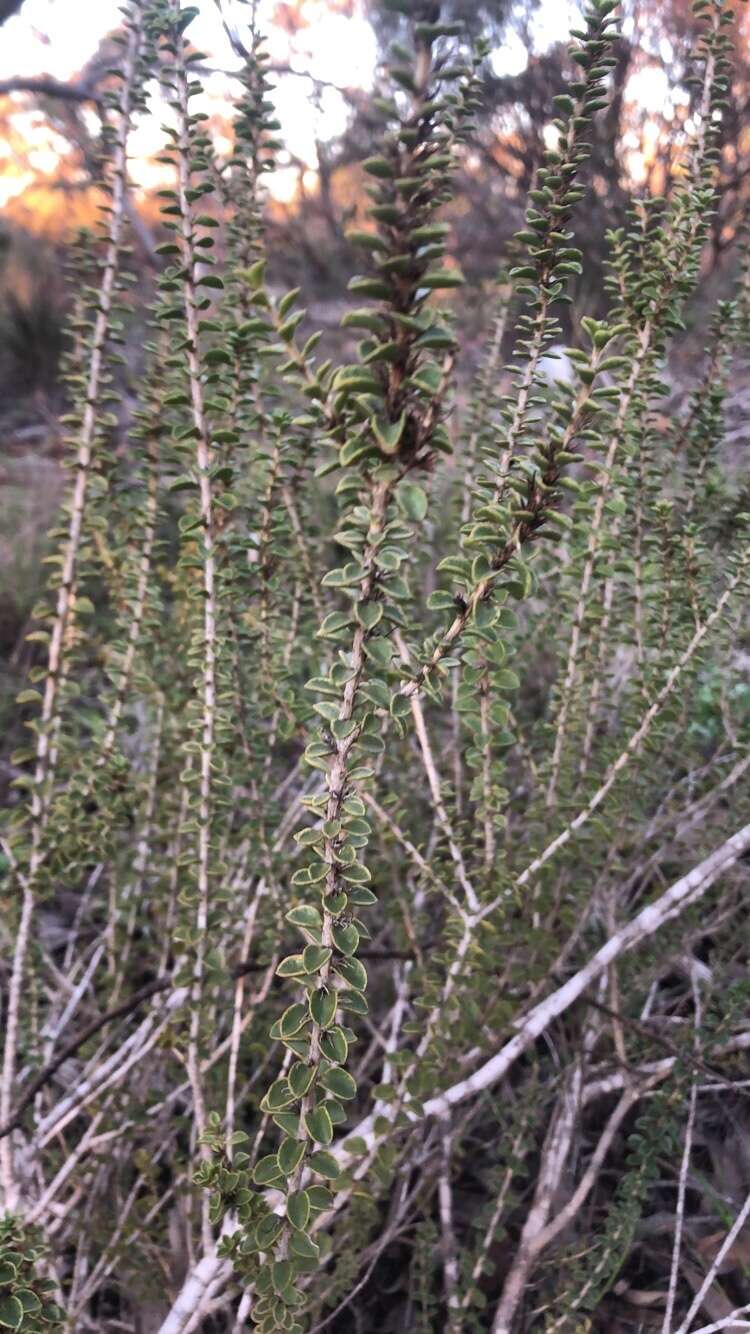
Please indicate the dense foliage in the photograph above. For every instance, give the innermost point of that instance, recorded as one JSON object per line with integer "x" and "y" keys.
{"x": 375, "y": 870}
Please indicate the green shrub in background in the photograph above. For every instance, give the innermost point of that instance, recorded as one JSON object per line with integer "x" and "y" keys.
{"x": 375, "y": 874}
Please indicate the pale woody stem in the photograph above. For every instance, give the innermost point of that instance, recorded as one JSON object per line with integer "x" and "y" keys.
{"x": 43, "y": 774}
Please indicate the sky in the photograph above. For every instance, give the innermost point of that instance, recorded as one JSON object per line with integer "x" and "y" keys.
{"x": 57, "y": 37}
{"x": 339, "y": 49}
{"x": 42, "y": 38}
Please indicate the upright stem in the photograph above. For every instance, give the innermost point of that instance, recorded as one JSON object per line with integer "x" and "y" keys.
{"x": 208, "y": 540}
{"x": 44, "y": 768}
{"x": 595, "y": 531}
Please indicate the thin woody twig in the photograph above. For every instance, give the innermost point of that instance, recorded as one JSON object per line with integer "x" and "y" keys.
{"x": 705, "y": 1286}
{"x": 684, "y": 1170}
{"x": 687, "y": 890}
{"x": 49, "y": 87}
{"x": 48, "y": 1073}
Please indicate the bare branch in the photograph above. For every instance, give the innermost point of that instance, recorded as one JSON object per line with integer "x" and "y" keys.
{"x": 684, "y": 892}
{"x": 96, "y": 1025}
{"x": 726, "y": 1246}
{"x": 45, "y": 86}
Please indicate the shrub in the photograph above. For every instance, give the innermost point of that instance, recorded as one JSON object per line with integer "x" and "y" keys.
{"x": 32, "y": 317}
{"x": 375, "y": 868}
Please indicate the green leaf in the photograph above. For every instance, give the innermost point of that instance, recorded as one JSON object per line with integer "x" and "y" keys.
{"x": 11, "y": 1313}
{"x": 505, "y": 679}
{"x": 412, "y": 501}
{"x": 298, "y": 1209}
{"x": 369, "y": 287}
{"x": 356, "y": 377}
{"x": 339, "y": 1082}
{"x": 52, "y": 1314}
{"x": 361, "y": 896}
{"x": 335, "y": 1111}
{"x": 388, "y": 434}
{"x": 334, "y": 623}
{"x": 324, "y": 1164}
{"x": 364, "y": 317}
{"x": 323, "y": 1005}
{"x": 378, "y": 166}
{"x": 28, "y": 1299}
{"x": 346, "y": 938}
{"x": 300, "y": 1078}
{"x": 305, "y": 916}
{"x": 334, "y": 1045}
{"x": 320, "y": 1197}
{"x": 427, "y": 378}
{"x": 267, "y": 1170}
{"x": 380, "y": 651}
{"x": 378, "y": 693}
{"x": 352, "y": 972}
{"x": 293, "y": 1019}
{"x": 356, "y": 1145}
{"x": 186, "y": 17}
{"x": 288, "y": 301}
{"x": 432, "y": 231}
{"x": 370, "y": 240}
{"x": 369, "y": 614}
{"x": 292, "y": 966}
{"x": 354, "y": 449}
{"x": 255, "y": 275}
{"x": 319, "y": 1125}
{"x": 315, "y": 956}
{"x": 290, "y": 1155}
{"x": 289, "y": 1123}
{"x": 278, "y": 1096}
{"x": 442, "y": 278}
{"x": 268, "y": 1231}
{"x": 282, "y": 1274}
{"x": 302, "y": 1245}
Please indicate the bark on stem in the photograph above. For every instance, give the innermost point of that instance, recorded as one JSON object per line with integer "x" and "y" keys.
{"x": 208, "y": 689}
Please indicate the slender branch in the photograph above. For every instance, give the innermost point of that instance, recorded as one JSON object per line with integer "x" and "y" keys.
{"x": 554, "y": 1157}
{"x": 726, "y": 1246}
{"x": 636, "y": 739}
{"x": 449, "y": 1241}
{"x": 727, "y": 1322}
{"x": 204, "y": 460}
{"x": 45, "y": 86}
{"x": 48, "y": 1073}
{"x": 433, "y": 780}
{"x": 43, "y": 774}
{"x": 683, "y": 1177}
{"x": 682, "y": 894}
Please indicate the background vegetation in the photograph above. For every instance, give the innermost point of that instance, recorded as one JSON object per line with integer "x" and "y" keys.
{"x": 377, "y": 712}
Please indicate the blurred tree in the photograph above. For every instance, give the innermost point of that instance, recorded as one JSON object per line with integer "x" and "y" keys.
{"x": 68, "y": 189}
{"x": 33, "y": 312}
{"x": 8, "y": 8}
{"x": 498, "y": 166}
{"x": 635, "y": 149}
{"x": 632, "y": 152}
{"x": 488, "y": 17}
